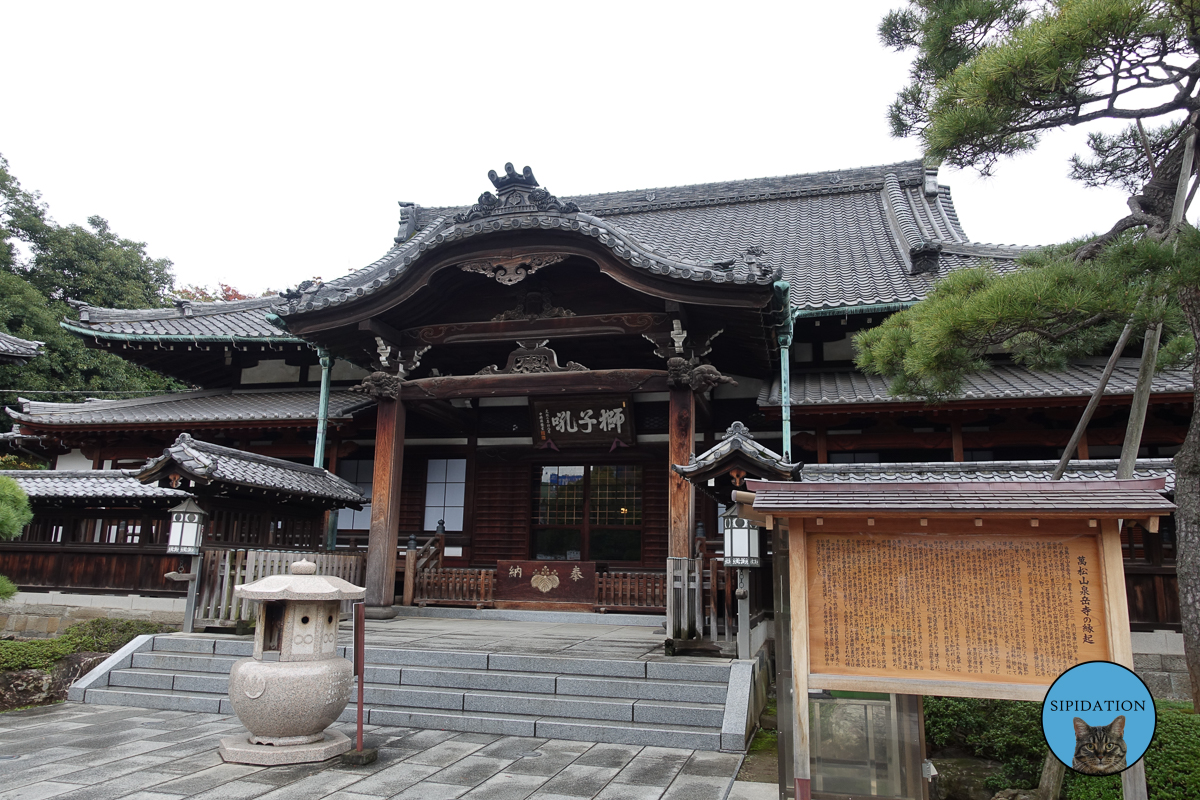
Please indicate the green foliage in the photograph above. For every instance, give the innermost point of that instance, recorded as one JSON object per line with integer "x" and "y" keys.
{"x": 1048, "y": 311}
{"x": 14, "y": 509}
{"x": 66, "y": 364}
{"x": 13, "y": 461}
{"x": 1172, "y": 762}
{"x": 8, "y": 589}
{"x": 991, "y": 75}
{"x": 1006, "y": 731}
{"x": 1120, "y": 159}
{"x": 765, "y": 741}
{"x": 91, "y": 636}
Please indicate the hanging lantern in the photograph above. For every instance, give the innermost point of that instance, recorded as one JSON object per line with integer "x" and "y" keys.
{"x": 741, "y": 540}
{"x": 187, "y": 528}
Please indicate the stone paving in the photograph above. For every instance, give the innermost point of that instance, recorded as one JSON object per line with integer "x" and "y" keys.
{"x": 94, "y": 752}
{"x": 581, "y": 640}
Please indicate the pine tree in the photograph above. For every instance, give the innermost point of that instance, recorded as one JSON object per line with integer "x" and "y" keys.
{"x": 989, "y": 77}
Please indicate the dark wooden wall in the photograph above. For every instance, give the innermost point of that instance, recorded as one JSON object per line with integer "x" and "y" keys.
{"x": 502, "y": 509}
{"x": 99, "y": 567}
{"x": 654, "y": 516}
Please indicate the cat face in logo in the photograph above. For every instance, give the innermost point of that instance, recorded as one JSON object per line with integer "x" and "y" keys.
{"x": 1100, "y": 749}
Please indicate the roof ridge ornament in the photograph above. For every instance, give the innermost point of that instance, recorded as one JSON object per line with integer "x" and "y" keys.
{"x": 515, "y": 194}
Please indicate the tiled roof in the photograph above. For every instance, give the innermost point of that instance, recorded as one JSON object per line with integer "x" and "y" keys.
{"x": 208, "y": 463}
{"x": 1003, "y": 381}
{"x": 986, "y": 471}
{"x": 737, "y": 448}
{"x": 214, "y": 405}
{"x": 1098, "y": 498}
{"x": 237, "y": 320}
{"x": 842, "y": 238}
{"x": 100, "y": 484}
{"x": 16, "y": 351}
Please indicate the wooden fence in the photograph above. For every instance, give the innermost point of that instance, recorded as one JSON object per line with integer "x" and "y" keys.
{"x": 222, "y": 570}
{"x": 455, "y": 587}
{"x": 643, "y": 591}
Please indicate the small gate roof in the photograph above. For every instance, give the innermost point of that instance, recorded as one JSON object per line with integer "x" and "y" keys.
{"x": 1092, "y": 498}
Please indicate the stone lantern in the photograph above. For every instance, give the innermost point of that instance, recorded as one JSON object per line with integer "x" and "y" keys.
{"x": 296, "y": 684}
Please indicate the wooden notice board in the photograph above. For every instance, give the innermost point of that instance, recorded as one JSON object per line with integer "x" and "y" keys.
{"x": 556, "y": 584}
{"x": 1017, "y": 609}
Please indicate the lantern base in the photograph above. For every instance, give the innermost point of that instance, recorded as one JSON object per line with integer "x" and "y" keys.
{"x": 239, "y": 750}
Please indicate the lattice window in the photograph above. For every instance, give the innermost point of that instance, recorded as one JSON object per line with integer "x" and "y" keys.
{"x": 445, "y": 493}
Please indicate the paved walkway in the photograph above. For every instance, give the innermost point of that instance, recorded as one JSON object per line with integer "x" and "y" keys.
{"x": 76, "y": 752}
{"x": 581, "y": 640}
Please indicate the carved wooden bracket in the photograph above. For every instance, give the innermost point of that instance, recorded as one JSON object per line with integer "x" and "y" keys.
{"x": 698, "y": 377}
{"x": 380, "y": 385}
{"x": 534, "y": 306}
{"x": 513, "y": 270}
{"x": 531, "y": 358}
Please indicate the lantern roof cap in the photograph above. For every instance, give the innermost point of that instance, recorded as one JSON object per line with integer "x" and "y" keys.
{"x": 301, "y": 584}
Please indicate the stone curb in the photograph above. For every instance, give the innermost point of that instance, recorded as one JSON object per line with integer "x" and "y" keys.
{"x": 122, "y": 659}
{"x": 737, "y": 705}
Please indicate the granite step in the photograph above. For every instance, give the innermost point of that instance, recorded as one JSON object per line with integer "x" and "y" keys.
{"x": 673, "y": 703}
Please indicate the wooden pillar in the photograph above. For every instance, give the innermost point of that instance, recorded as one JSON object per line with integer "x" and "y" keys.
{"x": 385, "y": 508}
{"x": 822, "y": 446}
{"x": 956, "y": 440}
{"x": 1120, "y": 645}
{"x": 680, "y": 492}
{"x": 798, "y": 569}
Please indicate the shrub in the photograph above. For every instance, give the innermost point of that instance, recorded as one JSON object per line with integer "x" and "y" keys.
{"x": 92, "y": 636}
{"x": 1008, "y": 731}
{"x": 1172, "y": 762}
{"x": 7, "y": 588}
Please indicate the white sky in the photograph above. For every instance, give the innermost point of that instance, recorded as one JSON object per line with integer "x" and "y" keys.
{"x": 260, "y": 144}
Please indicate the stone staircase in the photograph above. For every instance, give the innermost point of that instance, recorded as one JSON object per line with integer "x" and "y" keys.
{"x": 699, "y": 704}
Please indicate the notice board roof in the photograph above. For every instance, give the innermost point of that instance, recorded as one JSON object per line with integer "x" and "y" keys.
{"x": 1098, "y": 498}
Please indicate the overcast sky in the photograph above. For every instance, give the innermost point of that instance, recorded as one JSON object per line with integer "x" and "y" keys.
{"x": 260, "y": 144}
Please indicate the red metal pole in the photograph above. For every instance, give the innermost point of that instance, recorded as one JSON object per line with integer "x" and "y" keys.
{"x": 360, "y": 640}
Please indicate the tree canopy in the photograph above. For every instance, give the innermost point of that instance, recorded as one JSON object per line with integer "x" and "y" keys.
{"x": 41, "y": 265}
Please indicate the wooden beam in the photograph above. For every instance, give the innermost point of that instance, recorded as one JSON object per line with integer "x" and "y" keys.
{"x": 956, "y": 442}
{"x": 1083, "y": 447}
{"x": 385, "y": 505}
{"x": 822, "y": 445}
{"x": 798, "y": 573}
{"x": 511, "y": 330}
{"x": 441, "y": 412}
{"x": 943, "y": 688}
{"x": 681, "y": 427}
{"x": 540, "y": 384}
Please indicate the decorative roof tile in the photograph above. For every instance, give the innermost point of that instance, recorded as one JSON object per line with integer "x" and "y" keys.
{"x": 209, "y": 463}
{"x": 100, "y": 484}
{"x": 17, "y": 351}
{"x": 986, "y": 471}
{"x": 214, "y": 405}
{"x": 1003, "y": 381}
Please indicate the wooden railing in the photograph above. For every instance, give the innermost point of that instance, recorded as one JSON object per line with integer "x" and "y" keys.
{"x": 222, "y": 570}
{"x": 641, "y": 591}
{"x": 455, "y": 587}
{"x": 644, "y": 591}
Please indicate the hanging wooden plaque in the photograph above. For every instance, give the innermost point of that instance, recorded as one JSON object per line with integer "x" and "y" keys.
{"x": 597, "y": 421}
